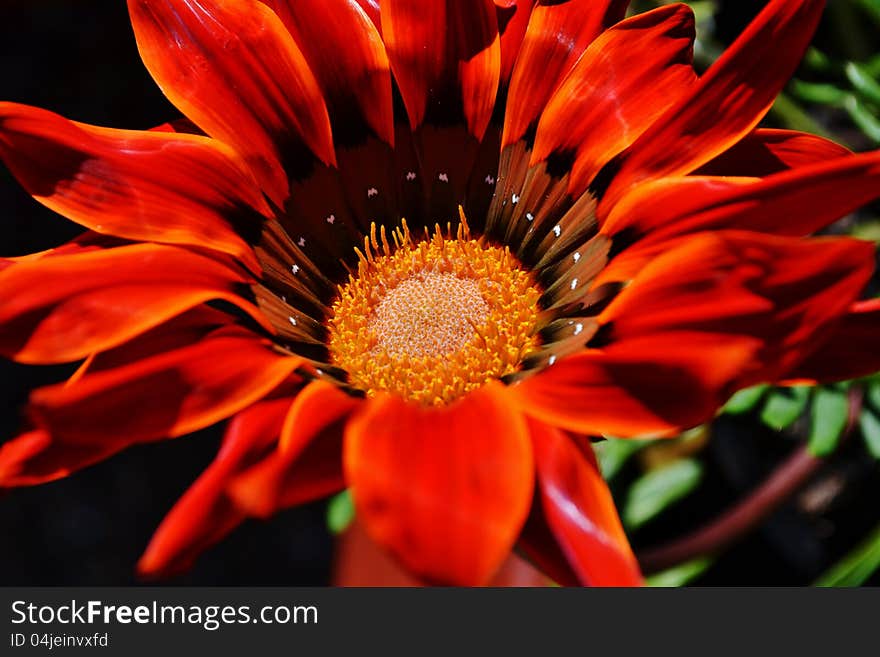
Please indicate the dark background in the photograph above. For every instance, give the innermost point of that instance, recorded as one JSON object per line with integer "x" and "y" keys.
{"x": 78, "y": 58}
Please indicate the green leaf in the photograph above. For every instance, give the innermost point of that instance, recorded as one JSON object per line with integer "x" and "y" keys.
{"x": 744, "y": 400}
{"x": 340, "y": 512}
{"x": 818, "y": 61}
{"x": 817, "y": 92}
{"x": 862, "y": 82}
{"x": 862, "y": 117}
{"x": 784, "y": 406}
{"x": 857, "y": 566}
{"x": 613, "y": 453}
{"x": 656, "y": 490}
{"x": 872, "y": 394}
{"x": 829, "y": 413}
{"x": 869, "y": 423}
{"x": 681, "y": 574}
{"x": 867, "y": 230}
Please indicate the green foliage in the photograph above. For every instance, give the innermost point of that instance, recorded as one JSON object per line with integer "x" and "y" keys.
{"x": 829, "y": 412}
{"x": 681, "y": 574}
{"x": 613, "y": 453}
{"x": 658, "y": 489}
{"x": 856, "y": 567}
{"x": 784, "y": 406}
{"x": 745, "y": 400}
{"x": 340, "y": 512}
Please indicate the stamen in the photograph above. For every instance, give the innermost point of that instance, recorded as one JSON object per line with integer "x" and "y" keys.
{"x": 433, "y": 319}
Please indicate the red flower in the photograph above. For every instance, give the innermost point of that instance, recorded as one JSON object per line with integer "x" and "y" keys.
{"x": 617, "y": 250}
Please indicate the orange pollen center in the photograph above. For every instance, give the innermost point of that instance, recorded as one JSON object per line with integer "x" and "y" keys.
{"x": 432, "y": 320}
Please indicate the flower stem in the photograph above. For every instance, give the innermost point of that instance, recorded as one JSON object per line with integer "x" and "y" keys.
{"x": 747, "y": 514}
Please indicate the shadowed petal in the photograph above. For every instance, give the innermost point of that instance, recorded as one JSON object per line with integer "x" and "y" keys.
{"x": 445, "y": 489}
{"x": 556, "y": 36}
{"x": 446, "y": 58}
{"x": 155, "y": 186}
{"x": 766, "y": 151}
{"x": 727, "y": 102}
{"x": 64, "y": 307}
{"x": 794, "y": 202}
{"x": 345, "y": 52}
{"x": 850, "y": 350}
{"x": 167, "y": 395}
{"x": 580, "y": 511}
{"x": 624, "y": 80}
{"x": 307, "y": 463}
{"x": 205, "y": 513}
{"x": 232, "y": 67}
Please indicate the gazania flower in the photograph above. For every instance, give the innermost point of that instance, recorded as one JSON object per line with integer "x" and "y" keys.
{"x": 425, "y": 249}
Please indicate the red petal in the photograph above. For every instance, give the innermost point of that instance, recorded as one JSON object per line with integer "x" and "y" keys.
{"x": 624, "y": 80}
{"x": 347, "y": 56}
{"x": 65, "y": 307}
{"x": 513, "y": 19}
{"x": 167, "y": 395}
{"x": 767, "y": 151}
{"x": 446, "y": 59}
{"x": 445, "y": 489}
{"x": 795, "y": 202}
{"x": 580, "y": 511}
{"x": 781, "y": 291}
{"x": 728, "y": 101}
{"x": 34, "y": 458}
{"x": 557, "y": 35}
{"x": 652, "y": 385}
{"x": 205, "y": 513}
{"x": 232, "y": 67}
{"x": 142, "y": 185}
{"x": 850, "y": 350}
{"x": 307, "y": 464}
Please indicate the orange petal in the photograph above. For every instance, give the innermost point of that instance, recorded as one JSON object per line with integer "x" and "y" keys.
{"x": 232, "y": 67}
{"x": 781, "y": 291}
{"x": 65, "y": 307}
{"x": 767, "y": 151}
{"x": 652, "y": 385}
{"x": 624, "y": 80}
{"x": 446, "y": 58}
{"x": 580, "y": 511}
{"x": 345, "y": 52}
{"x": 307, "y": 464}
{"x": 850, "y": 349}
{"x": 794, "y": 202}
{"x": 556, "y": 37}
{"x": 445, "y": 489}
{"x": 728, "y": 101}
{"x": 167, "y": 395}
{"x": 141, "y": 185}
{"x": 205, "y": 513}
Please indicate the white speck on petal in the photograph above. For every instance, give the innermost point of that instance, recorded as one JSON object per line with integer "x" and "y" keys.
{"x": 574, "y": 283}
{"x": 557, "y": 230}
{"x": 576, "y": 256}
{"x": 514, "y": 199}
{"x": 302, "y": 241}
{"x": 295, "y": 269}
{"x": 411, "y": 175}
{"x": 552, "y": 359}
{"x": 292, "y": 320}
{"x": 331, "y": 219}
{"x": 530, "y": 216}
{"x": 489, "y": 180}
{"x": 443, "y": 177}
{"x": 371, "y": 192}
{"x": 578, "y": 328}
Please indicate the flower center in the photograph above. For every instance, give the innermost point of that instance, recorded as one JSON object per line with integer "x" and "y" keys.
{"x": 434, "y": 319}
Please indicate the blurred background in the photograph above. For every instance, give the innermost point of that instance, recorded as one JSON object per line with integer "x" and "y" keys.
{"x": 78, "y": 58}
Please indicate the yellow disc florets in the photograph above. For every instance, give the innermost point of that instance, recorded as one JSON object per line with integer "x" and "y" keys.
{"x": 434, "y": 319}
